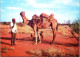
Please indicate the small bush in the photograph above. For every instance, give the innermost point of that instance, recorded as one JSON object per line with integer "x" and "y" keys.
{"x": 4, "y": 50}
{"x": 20, "y": 24}
{"x": 35, "y": 52}
{"x": 6, "y": 23}
{"x": 52, "y": 52}
{"x": 11, "y": 48}
{"x": 75, "y": 26}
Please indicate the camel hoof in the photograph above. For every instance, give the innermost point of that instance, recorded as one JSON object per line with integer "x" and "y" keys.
{"x": 51, "y": 42}
{"x": 35, "y": 43}
{"x": 39, "y": 41}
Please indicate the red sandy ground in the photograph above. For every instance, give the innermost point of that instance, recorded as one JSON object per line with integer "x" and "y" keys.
{"x": 24, "y": 43}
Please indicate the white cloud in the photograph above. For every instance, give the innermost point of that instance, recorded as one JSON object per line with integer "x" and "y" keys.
{"x": 60, "y": 17}
{"x": 45, "y": 8}
{"x": 13, "y": 8}
{"x": 15, "y": 15}
{"x": 68, "y": 2}
{"x": 63, "y": 18}
{"x": 34, "y": 3}
{"x": 23, "y": 4}
{"x": 2, "y": 10}
{"x": 63, "y": 1}
{"x": 29, "y": 14}
{"x": 52, "y": 4}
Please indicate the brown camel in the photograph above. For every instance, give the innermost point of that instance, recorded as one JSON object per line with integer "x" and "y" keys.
{"x": 40, "y": 22}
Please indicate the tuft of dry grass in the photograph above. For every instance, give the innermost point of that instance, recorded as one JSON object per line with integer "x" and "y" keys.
{"x": 35, "y": 52}
{"x": 11, "y": 48}
{"x": 71, "y": 52}
{"x": 52, "y": 52}
{"x": 4, "y": 50}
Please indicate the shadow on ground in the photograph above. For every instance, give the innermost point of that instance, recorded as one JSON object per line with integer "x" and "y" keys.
{"x": 43, "y": 41}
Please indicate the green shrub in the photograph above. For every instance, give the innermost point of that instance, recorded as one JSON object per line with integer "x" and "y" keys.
{"x": 75, "y": 26}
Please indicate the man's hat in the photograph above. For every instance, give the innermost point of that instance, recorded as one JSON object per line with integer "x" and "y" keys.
{"x": 13, "y": 19}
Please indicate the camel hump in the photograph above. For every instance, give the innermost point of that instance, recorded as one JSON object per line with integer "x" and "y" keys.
{"x": 34, "y": 16}
{"x": 44, "y": 15}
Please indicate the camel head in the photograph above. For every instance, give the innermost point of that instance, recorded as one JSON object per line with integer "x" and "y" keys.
{"x": 25, "y": 20}
{"x": 51, "y": 16}
{"x": 22, "y": 14}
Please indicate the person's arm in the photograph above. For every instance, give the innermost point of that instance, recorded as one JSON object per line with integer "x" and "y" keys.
{"x": 11, "y": 26}
{"x": 15, "y": 28}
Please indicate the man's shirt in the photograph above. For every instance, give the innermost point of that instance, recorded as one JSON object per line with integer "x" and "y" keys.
{"x": 14, "y": 29}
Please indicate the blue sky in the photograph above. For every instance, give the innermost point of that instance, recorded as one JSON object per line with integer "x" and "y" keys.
{"x": 63, "y": 10}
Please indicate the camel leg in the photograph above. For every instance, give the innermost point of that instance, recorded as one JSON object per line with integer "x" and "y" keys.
{"x": 54, "y": 29}
{"x": 53, "y": 38}
{"x": 39, "y": 38}
{"x": 35, "y": 37}
{"x": 54, "y": 35}
{"x": 35, "y": 32}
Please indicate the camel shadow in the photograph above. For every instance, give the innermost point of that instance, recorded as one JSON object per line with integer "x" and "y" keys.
{"x": 24, "y": 39}
{"x": 66, "y": 44}
{"x": 43, "y": 41}
{"x": 5, "y": 38}
{"x": 4, "y": 43}
{"x": 61, "y": 43}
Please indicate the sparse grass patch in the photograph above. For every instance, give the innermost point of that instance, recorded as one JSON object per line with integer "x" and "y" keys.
{"x": 11, "y": 48}
{"x": 35, "y": 52}
{"x": 52, "y": 52}
{"x": 4, "y": 50}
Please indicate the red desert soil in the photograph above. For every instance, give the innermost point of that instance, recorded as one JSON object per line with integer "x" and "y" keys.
{"x": 24, "y": 43}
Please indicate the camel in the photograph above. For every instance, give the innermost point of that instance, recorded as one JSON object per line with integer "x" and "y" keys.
{"x": 40, "y": 22}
